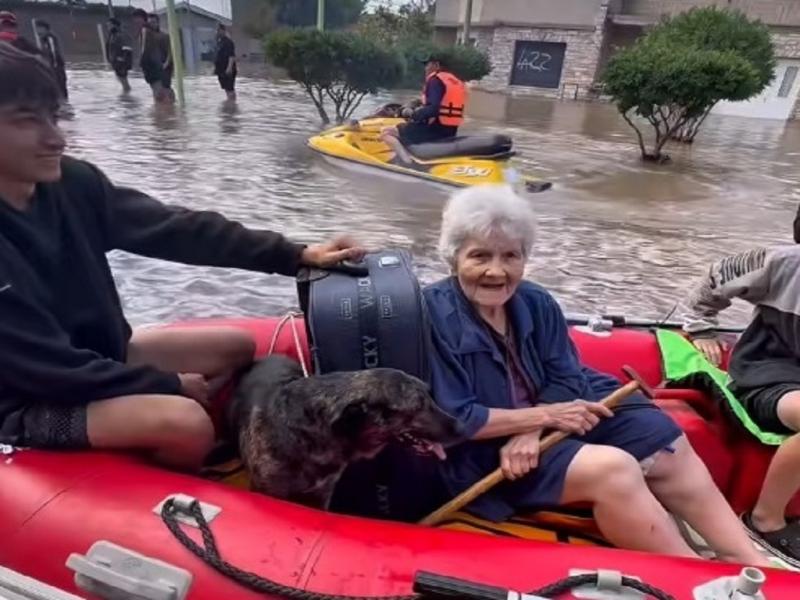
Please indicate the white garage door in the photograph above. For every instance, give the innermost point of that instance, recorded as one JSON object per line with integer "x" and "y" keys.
{"x": 775, "y": 102}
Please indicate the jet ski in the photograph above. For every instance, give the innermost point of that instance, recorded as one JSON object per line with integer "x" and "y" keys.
{"x": 462, "y": 161}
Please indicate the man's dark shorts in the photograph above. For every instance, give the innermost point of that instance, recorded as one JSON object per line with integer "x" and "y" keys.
{"x": 762, "y": 405}
{"x": 121, "y": 70}
{"x": 227, "y": 82}
{"x": 55, "y": 427}
{"x": 421, "y": 133}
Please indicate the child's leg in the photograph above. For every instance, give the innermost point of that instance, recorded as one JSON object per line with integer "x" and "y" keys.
{"x": 783, "y": 477}
{"x": 174, "y": 430}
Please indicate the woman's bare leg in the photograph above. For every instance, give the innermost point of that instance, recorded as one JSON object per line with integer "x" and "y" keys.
{"x": 174, "y": 430}
{"x": 683, "y": 484}
{"x": 627, "y": 513}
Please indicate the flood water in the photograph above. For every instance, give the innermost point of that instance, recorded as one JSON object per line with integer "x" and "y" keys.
{"x": 614, "y": 235}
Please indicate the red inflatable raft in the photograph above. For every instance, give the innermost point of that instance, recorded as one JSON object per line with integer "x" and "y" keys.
{"x": 55, "y": 505}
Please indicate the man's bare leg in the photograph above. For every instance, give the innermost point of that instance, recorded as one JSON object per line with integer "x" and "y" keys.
{"x": 390, "y": 136}
{"x": 208, "y": 351}
{"x": 175, "y": 431}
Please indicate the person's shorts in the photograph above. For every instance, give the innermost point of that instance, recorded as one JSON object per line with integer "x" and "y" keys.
{"x": 421, "y": 133}
{"x": 55, "y": 427}
{"x": 153, "y": 73}
{"x": 121, "y": 69}
{"x": 227, "y": 82}
{"x": 166, "y": 78}
{"x": 762, "y": 404}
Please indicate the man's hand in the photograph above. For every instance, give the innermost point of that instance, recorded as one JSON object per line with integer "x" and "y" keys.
{"x": 711, "y": 348}
{"x": 520, "y": 455}
{"x": 576, "y": 417}
{"x": 330, "y": 253}
{"x": 194, "y": 386}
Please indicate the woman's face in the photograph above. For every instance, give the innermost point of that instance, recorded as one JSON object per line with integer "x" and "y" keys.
{"x": 489, "y": 269}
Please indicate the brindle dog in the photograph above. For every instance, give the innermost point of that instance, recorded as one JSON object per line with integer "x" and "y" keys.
{"x": 296, "y": 435}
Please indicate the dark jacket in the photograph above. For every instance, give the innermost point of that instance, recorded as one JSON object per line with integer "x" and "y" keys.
{"x": 469, "y": 375}
{"x": 63, "y": 336}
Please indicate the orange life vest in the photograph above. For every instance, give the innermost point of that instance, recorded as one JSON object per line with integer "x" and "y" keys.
{"x": 451, "y": 111}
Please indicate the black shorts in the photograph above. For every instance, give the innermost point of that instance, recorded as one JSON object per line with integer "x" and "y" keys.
{"x": 55, "y": 427}
{"x": 227, "y": 82}
{"x": 421, "y": 133}
{"x": 762, "y": 405}
{"x": 153, "y": 74}
{"x": 121, "y": 69}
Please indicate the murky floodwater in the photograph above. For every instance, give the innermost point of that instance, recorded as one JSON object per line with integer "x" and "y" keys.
{"x": 614, "y": 235}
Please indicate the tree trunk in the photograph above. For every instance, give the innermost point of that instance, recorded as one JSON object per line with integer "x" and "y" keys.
{"x": 691, "y": 128}
{"x": 639, "y": 137}
{"x": 319, "y": 103}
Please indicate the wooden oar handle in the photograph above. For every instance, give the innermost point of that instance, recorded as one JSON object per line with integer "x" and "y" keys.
{"x": 496, "y": 476}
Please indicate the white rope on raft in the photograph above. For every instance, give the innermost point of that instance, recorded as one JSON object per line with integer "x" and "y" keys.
{"x": 290, "y": 318}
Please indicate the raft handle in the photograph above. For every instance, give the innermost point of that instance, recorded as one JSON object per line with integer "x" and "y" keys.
{"x": 112, "y": 571}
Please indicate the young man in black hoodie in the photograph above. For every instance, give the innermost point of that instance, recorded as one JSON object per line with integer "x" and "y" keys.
{"x": 72, "y": 374}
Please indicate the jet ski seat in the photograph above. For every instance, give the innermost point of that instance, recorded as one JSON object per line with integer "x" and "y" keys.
{"x": 466, "y": 145}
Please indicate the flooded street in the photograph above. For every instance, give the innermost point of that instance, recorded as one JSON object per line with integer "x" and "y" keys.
{"x": 614, "y": 235}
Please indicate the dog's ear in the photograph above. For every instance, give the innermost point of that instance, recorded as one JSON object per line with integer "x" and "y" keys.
{"x": 351, "y": 421}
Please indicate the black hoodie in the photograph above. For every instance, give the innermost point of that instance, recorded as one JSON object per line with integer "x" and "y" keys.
{"x": 63, "y": 336}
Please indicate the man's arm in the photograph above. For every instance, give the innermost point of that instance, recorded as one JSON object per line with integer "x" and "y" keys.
{"x": 39, "y": 362}
{"x": 745, "y": 276}
{"x": 434, "y": 94}
{"x": 231, "y": 56}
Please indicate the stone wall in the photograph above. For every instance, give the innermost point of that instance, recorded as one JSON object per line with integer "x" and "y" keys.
{"x": 583, "y": 52}
{"x": 787, "y": 45}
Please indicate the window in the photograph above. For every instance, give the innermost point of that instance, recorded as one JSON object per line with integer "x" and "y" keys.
{"x": 789, "y": 77}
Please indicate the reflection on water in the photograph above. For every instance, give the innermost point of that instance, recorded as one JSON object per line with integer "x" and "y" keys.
{"x": 614, "y": 235}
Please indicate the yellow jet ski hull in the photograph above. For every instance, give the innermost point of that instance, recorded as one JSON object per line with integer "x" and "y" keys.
{"x": 359, "y": 143}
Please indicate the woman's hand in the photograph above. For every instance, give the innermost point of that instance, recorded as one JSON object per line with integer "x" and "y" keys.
{"x": 520, "y": 455}
{"x": 711, "y": 348}
{"x": 577, "y": 417}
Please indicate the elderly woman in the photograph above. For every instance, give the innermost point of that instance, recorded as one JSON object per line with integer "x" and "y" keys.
{"x": 504, "y": 366}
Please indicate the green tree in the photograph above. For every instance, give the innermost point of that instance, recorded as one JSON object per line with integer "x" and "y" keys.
{"x": 722, "y": 30}
{"x": 410, "y": 30}
{"x": 269, "y": 15}
{"x": 673, "y": 76}
{"x": 342, "y": 67}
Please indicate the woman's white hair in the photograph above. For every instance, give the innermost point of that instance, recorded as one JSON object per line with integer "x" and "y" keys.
{"x": 480, "y": 211}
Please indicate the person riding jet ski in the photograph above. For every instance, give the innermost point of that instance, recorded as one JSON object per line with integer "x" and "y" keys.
{"x": 442, "y": 111}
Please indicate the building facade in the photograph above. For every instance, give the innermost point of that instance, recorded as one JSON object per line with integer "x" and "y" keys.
{"x": 559, "y": 48}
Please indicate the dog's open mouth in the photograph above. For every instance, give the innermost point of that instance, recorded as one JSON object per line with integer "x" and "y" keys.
{"x": 421, "y": 446}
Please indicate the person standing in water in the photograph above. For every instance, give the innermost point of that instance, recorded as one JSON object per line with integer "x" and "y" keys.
{"x": 165, "y": 50}
{"x": 225, "y": 62}
{"x": 51, "y": 48}
{"x": 155, "y": 58}
{"x": 119, "y": 52}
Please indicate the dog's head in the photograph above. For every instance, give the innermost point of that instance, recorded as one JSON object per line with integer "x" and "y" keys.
{"x": 386, "y": 405}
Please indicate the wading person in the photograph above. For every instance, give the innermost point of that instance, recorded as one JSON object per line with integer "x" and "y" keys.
{"x": 155, "y": 57}
{"x": 764, "y": 372}
{"x": 119, "y": 52}
{"x": 51, "y": 48}
{"x": 505, "y": 367}
{"x": 72, "y": 374}
{"x": 225, "y": 62}
{"x": 444, "y": 99}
